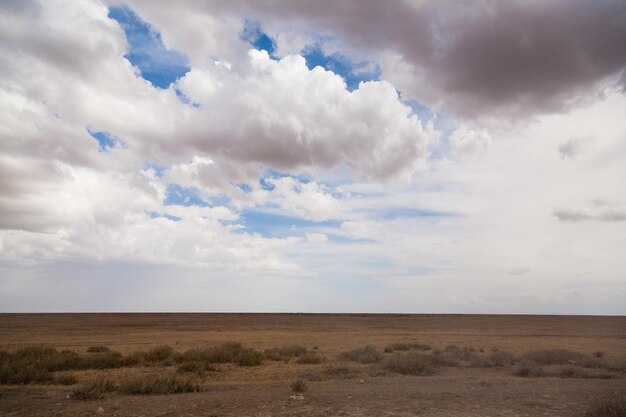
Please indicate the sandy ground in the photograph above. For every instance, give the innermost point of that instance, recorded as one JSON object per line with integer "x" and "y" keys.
{"x": 265, "y": 390}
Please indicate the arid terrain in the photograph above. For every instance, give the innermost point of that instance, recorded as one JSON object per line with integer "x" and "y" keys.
{"x": 310, "y": 365}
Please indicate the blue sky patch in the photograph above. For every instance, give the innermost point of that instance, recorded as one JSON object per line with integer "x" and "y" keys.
{"x": 157, "y": 64}
{"x": 155, "y": 215}
{"x": 105, "y": 140}
{"x": 352, "y": 72}
{"x": 175, "y": 195}
{"x": 278, "y": 225}
{"x": 253, "y": 33}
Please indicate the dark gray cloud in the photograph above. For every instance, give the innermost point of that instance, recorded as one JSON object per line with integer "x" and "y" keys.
{"x": 472, "y": 58}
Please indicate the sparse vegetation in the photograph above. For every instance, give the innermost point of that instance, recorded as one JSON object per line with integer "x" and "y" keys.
{"x": 284, "y": 352}
{"x": 367, "y": 354}
{"x": 157, "y": 384}
{"x": 97, "y": 349}
{"x": 299, "y": 386}
{"x": 340, "y": 371}
{"x": 608, "y": 406}
{"x": 527, "y": 369}
{"x": 554, "y": 357}
{"x": 309, "y": 358}
{"x": 406, "y": 346}
{"x": 495, "y": 359}
{"x": 411, "y": 363}
{"x": 94, "y": 388}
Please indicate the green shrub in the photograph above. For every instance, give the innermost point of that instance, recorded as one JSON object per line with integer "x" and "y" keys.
{"x": 367, "y": 354}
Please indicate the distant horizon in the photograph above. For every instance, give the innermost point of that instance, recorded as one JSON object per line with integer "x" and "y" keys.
{"x": 351, "y": 156}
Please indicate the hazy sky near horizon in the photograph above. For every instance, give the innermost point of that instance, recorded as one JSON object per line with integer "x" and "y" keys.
{"x": 329, "y": 156}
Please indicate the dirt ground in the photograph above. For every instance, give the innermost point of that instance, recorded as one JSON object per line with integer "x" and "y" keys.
{"x": 265, "y": 390}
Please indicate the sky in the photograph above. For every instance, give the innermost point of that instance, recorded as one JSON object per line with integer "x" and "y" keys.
{"x": 296, "y": 156}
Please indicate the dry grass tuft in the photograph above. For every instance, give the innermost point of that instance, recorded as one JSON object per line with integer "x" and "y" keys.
{"x": 554, "y": 357}
{"x": 527, "y": 369}
{"x": 406, "y": 346}
{"x": 97, "y": 349}
{"x": 157, "y": 384}
{"x": 284, "y": 352}
{"x": 299, "y": 386}
{"x": 94, "y": 388}
{"x": 367, "y": 354}
{"x": 309, "y": 358}
{"x": 411, "y": 363}
{"x": 609, "y": 406}
{"x": 340, "y": 371}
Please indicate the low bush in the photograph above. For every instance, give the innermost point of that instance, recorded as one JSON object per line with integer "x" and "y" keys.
{"x": 367, "y": 354}
{"x": 411, "y": 363}
{"x": 64, "y": 379}
{"x": 102, "y": 360}
{"x": 299, "y": 386}
{"x": 340, "y": 371}
{"x": 609, "y": 406}
{"x": 93, "y": 389}
{"x": 554, "y": 357}
{"x": 528, "y": 369}
{"x": 157, "y": 384}
{"x": 406, "y": 346}
{"x": 97, "y": 349}
{"x": 309, "y": 358}
{"x": 284, "y": 352}
{"x": 196, "y": 367}
{"x": 248, "y": 357}
{"x": 22, "y": 372}
{"x": 158, "y": 354}
{"x": 495, "y": 359}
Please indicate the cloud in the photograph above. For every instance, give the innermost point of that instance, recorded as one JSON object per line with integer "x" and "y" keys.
{"x": 514, "y": 58}
{"x": 599, "y": 212}
{"x": 572, "y": 147}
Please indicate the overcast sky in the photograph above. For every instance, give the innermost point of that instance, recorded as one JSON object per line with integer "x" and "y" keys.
{"x": 328, "y": 156}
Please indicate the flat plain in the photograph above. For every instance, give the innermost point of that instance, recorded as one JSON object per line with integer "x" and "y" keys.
{"x": 415, "y": 365}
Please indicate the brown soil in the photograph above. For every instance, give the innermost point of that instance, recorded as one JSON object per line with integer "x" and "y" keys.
{"x": 265, "y": 390}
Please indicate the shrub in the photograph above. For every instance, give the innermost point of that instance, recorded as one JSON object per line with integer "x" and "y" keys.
{"x": 609, "y": 406}
{"x": 299, "y": 386}
{"x": 102, "y": 360}
{"x": 248, "y": 357}
{"x": 406, "y": 346}
{"x": 340, "y": 371}
{"x": 528, "y": 369}
{"x": 495, "y": 359}
{"x": 411, "y": 363}
{"x": 22, "y": 372}
{"x": 554, "y": 357}
{"x": 157, "y": 384}
{"x": 158, "y": 354}
{"x": 441, "y": 358}
{"x": 64, "y": 379}
{"x": 455, "y": 353}
{"x": 97, "y": 349}
{"x": 598, "y": 354}
{"x": 309, "y": 358}
{"x": 195, "y": 367}
{"x": 367, "y": 354}
{"x": 284, "y": 352}
{"x": 93, "y": 389}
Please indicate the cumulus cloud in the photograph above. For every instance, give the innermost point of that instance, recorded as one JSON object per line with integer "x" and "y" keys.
{"x": 515, "y": 58}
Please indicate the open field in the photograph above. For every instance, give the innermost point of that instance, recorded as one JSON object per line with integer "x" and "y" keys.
{"x": 416, "y": 365}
